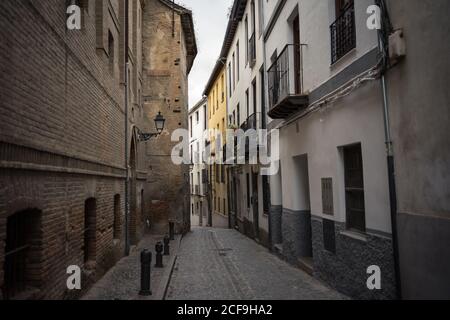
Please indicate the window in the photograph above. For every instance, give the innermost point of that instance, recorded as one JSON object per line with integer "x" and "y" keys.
{"x": 343, "y": 31}
{"x": 190, "y": 125}
{"x": 354, "y": 188}
{"x": 111, "y": 50}
{"x": 234, "y": 117}
{"x": 23, "y": 253}
{"x": 222, "y": 81}
{"x": 238, "y": 115}
{"x": 224, "y": 207}
{"x": 90, "y": 208}
{"x": 234, "y": 71}
{"x": 197, "y": 117}
{"x": 247, "y": 102}
{"x": 204, "y": 119}
{"x": 222, "y": 171}
{"x": 218, "y": 204}
{"x": 260, "y": 17}
{"x": 229, "y": 79}
{"x": 255, "y": 94}
{"x": 237, "y": 61}
{"x": 217, "y": 96}
{"x": 266, "y": 195}
{"x": 263, "y": 98}
{"x": 246, "y": 39}
{"x": 117, "y": 223}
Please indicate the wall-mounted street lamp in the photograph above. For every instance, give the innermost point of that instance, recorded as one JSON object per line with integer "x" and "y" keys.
{"x": 160, "y": 122}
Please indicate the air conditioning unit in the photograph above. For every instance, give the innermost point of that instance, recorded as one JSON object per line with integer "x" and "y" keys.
{"x": 397, "y": 46}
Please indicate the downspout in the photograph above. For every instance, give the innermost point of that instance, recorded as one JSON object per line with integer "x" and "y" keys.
{"x": 127, "y": 181}
{"x": 383, "y": 35}
{"x": 266, "y": 90}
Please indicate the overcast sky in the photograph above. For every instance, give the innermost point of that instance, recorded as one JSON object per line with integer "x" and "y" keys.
{"x": 210, "y": 19}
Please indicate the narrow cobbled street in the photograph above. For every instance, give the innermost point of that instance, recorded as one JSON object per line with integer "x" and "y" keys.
{"x": 223, "y": 264}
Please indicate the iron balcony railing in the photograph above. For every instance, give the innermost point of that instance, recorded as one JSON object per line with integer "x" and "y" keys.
{"x": 285, "y": 76}
{"x": 252, "y": 50}
{"x": 343, "y": 34}
{"x": 252, "y": 122}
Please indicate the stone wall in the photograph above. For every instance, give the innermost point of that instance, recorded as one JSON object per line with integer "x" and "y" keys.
{"x": 165, "y": 90}
{"x": 62, "y": 136}
{"x": 346, "y": 270}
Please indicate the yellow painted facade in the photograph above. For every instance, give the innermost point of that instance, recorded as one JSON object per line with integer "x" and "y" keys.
{"x": 217, "y": 115}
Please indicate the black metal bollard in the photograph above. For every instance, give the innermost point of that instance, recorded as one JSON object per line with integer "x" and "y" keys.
{"x": 146, "y": 260}
{"x": 159, "y": 256}
{"x": 172, "y": 230}
{"x": 166, "y": 246}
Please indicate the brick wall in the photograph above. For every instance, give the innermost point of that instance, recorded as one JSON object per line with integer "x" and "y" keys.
{"x": 62, "y": 134}
{"x": 165, "y": 89}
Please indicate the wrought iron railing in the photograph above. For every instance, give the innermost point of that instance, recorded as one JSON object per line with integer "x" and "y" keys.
{"x": 251, "y": 122}
{"x": 285, "y": 76}
{"x": 343, "y": 34}
{"x": 252, "y": 50}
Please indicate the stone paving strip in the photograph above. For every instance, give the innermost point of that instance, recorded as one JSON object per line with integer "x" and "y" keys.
{"x": 122, "y": 282}
{"x": 222, "y": 264}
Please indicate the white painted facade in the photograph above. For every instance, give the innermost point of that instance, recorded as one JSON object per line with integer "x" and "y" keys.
{"x": 197, "y": 125}
{"x": 241, "y": 75}
{"x": 320, "y": 136}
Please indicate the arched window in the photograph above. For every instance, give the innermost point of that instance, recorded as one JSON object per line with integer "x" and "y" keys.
{"x": 23, "y": 254}
{"x": 90, "y": 208}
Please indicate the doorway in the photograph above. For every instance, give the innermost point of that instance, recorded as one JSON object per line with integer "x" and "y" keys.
{"x": 297, "y": 55}
{"x": 255, "y": 204}
{"x": 303, "y": 207}
{"x": 23, "y": 254}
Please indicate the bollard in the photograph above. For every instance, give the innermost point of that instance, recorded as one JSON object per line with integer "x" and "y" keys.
{"x": 146, "y": 260}
{"x": 166, "y": 246}
{"x": 172, "y": 230}
{"x": 159, "y": 256}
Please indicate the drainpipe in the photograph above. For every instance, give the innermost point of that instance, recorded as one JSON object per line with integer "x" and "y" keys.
{"x": 266, "y": 90}
{"x": 382, "y": 43}
{"x": 127, "y": 181}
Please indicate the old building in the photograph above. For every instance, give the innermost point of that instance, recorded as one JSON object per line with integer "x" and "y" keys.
{"x": 330, "y": 199}
{"x": 419, "y": 101}
{"x": 216, "y": 93}
{"x": 247, "y": 112}
{"x": 198, "y": 124}
{"x": 169, "y": 49}
{"x": 63, "y": 153}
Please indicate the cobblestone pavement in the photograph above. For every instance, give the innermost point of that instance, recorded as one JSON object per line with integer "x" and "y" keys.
{"x": 122, "y": 282}
{"x": 221, "y": 264}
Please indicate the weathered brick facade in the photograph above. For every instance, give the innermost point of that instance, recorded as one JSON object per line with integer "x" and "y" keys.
{"x": 169, "y": 51}
{"x": 62, "y": 137}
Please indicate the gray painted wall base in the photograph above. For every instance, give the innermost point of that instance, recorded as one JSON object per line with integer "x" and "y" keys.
{"x": 346, "y": 271}
{"x": 275, "y": 223}
{"x": 296, "y": 233}
{"x": 424, "y": 256}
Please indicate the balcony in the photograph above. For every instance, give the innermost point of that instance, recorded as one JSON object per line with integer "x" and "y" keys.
{"x": 343, "y": 34}
{"x": 252, "y": 50}
{"x": 285, "y": 77}
{"x": 252, "y": 122}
